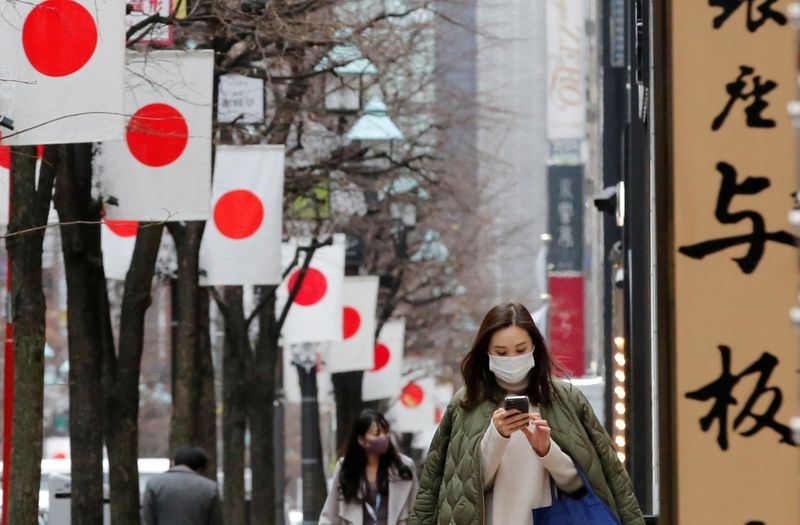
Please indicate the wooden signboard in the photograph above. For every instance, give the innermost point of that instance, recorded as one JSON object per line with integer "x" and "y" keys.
{"x": 735, "y": 267}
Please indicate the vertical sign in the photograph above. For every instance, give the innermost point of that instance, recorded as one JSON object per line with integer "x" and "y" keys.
{"x": 565, "y": 218}
{"x": 142, "y": 10}
{"x": 735, "y": 270}
{"x": 241, "y": 99}
{"x": 565, "y": 261}
{"x": 566, "y": 69}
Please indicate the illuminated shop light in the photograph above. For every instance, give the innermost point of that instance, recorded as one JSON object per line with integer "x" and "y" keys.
{"x": 619, "y": 357}
{"x": 619, "y": 342}
{"x": 620, "y": 441}
{"x": 619, "y": 391}
{"x": 620, "y": 375}
{"x": 620, "y": 408}
{"x": 620, "y": 424}
{"x": 621, "y": 456}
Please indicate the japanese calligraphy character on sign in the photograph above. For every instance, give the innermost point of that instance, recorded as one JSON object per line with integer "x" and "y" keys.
{"x": 721, "y": 389}
{"x": 757, "y": 238}
{"x": 764, "y": 9}
{"x": 736, "y": 92}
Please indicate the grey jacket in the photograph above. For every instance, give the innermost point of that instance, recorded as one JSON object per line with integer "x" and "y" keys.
{"x": 402, "y": 492}
{"x": 180, "y": 496}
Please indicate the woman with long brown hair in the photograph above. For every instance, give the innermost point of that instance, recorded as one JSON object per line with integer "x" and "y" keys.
{"x": 373, "y": 483}
{"x": 490, "y": 463}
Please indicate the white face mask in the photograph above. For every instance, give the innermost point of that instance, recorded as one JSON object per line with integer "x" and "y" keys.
{"x": 511, "y": 369}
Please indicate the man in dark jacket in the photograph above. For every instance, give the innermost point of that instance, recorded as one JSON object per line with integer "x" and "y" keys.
{"x": 182, "y": 496}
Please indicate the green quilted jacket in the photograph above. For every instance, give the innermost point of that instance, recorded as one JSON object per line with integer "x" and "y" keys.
{"x": 451, "y": 485}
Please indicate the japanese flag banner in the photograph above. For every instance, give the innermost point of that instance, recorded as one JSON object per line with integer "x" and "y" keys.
{"x": 383, "y": 380}
{"x": 62, "y": 64}
{"x": 356, "y": 350}
{"x": 316, "y": 315}
{"x": 242, "y": 241}
{"x": 161, "y": 169}
{"x": 117, "y": 240}
{"x": 414, "y": 411}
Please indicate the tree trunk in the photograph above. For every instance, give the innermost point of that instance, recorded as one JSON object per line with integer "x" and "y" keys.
{"x": 184, "y": 401}
{"x": 30, "y": 206}
{"x": 347, "y": 394}
{"x": 205, "y": 393}
{"x": 314, "y": 486}
{"x": 122, "y": 379}
{"x": 262, "y": 413}
{"x": 87, "y": 314}
{"x": 235, "y": 382}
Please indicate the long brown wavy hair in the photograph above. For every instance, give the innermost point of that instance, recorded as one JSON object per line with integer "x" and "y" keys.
{"x": 480, "y": 382}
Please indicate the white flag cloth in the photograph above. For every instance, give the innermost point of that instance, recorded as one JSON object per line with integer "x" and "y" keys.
{"x": 356, "y": 350}
{"x": 161, "y": 170}
{"x": 242, "y": 243}
{"x": 316, "y": 315}
{"x": 291, "y": 381}
{"x": 117, "y": 239}
{"x": 65, "y": 60}
{"x": 414, "y": 411}
{"x": 442, "y": 395}
{"x": 383, "y": 381}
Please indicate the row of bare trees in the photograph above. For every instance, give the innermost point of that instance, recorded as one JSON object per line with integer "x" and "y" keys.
{"x": 282, "y": 41}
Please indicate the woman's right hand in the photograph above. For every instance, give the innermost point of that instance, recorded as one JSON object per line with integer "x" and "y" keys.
{"x": 509, "y": 421}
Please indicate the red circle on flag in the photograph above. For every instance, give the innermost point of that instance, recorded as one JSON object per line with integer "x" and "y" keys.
{"x": 437, "y": 415}
{"x": 157, "y": 135}
{"x": 352, "y": 322}
{"x": 382, "y": 355}
{"x": 313, "y": 288}
{"x": 123, "y": 228}
{"x": 5, "y": 157}
{"x": 238, "y": 214}
{"x": 412, "y": 395}
{"x": 59, "y": 37}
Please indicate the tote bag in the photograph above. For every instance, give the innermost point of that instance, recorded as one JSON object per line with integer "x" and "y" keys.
{"x": 585, "y": 509}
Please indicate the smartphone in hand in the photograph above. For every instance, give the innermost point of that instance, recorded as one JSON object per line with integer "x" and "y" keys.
{"x": 518, "y": 402}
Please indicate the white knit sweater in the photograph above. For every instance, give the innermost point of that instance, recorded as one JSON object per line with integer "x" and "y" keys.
{"x": 516, "y": 479}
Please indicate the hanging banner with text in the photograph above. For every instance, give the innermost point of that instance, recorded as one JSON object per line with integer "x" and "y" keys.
{"x": 565, "y": 218}
{"x": 566, "y": 69}
{"x": 566, "y": 322}
{"x": 735, "y": 268}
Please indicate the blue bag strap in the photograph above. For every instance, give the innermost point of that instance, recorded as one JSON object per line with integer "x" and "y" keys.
{"x": 584, "y": 478}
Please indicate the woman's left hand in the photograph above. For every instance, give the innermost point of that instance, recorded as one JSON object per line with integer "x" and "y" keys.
{"x": 539, "y": 437}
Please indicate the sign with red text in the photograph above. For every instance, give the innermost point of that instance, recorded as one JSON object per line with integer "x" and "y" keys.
{"x": 141, "y": 10}
{"x": 62, "y": 67}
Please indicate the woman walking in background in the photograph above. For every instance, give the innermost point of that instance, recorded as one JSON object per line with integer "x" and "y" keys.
{"x": 490, "y": 463}
{"x": 373, "y": 484}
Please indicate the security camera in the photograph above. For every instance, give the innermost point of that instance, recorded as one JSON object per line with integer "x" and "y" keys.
{"x": 606, "y": 200}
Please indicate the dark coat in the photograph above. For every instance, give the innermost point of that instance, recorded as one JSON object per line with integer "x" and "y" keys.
{"x": 181, "y": 496}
